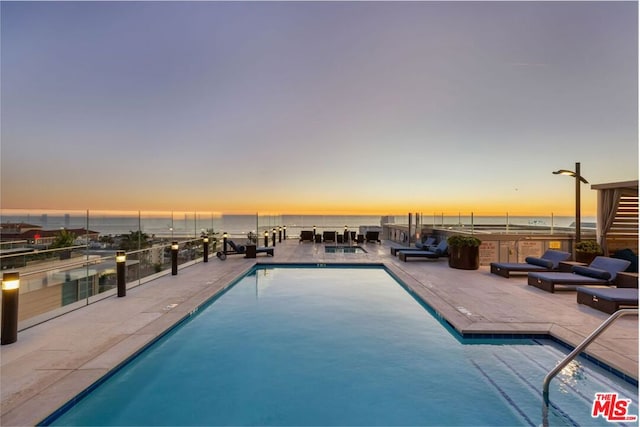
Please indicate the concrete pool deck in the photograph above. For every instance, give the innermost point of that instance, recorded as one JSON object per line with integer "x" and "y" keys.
{"x": 54, "y": 361}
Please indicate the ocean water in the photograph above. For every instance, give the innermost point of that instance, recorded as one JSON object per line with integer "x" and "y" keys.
{"x": 168, "y": 224}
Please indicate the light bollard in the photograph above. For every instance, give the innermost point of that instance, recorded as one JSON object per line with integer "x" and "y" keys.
{"x": 279, "y": 234}
{"x": 121, "y": 263}
{"x": 284, "y": 232}
{"x": 174, "y": 258}
{"x": 225, "y": 236}
{"x": 274, "y": 236}
{"x": 266, "y": 238}
{"x": 10, "y": 293}
{"x": 205, "y": 248}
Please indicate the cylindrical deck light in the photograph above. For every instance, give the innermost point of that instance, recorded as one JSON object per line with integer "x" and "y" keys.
{"x": 10, "y": 293}
{"x": 279, "y": 234}
{"x": 225, "y": 236}
{"x": 205, "y": 249}
{"x": 284, "y": 232}
{"x": 273, "y": 237}
{"x": 174, "y": 258}
{"x": 314, "y": 231}
{"x": 121, "y": 263}
{"x": 266, "y": 238}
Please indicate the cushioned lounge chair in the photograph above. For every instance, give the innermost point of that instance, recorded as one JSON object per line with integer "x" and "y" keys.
{"x": 307, "y": 236}
{"x": 241, "y": 250}
{"x": 547, "y": 262}
{"x": 608, "y": 299}
{"x": 439, "y": 251}
{"x": 372, "y": 237}
{"x": 329, "y": 236}
{"x": 428, "y": 245}
{"x": 601, "y": 271}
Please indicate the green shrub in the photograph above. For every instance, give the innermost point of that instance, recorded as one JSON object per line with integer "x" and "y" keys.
{"x": 588, "y": 246}
{"x": 460, "y": 241}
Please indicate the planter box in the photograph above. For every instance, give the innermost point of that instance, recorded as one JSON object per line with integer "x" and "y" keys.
{"x": 464, "y": 257}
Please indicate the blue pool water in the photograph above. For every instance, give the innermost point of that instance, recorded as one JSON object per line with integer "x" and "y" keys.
{"x": 337, "y": 346}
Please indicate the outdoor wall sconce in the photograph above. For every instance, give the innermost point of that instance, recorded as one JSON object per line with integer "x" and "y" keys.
{"x": 121, "y": 262}
{"x": 10, "y": 293}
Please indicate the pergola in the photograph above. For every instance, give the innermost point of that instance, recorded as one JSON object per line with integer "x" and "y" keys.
{"x": 617, "y": 216}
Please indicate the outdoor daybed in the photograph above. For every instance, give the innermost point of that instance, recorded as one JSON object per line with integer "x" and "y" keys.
{"x": 601, "y": 271}
{"x": 608, "y": 299}
{"x": 549, "y": 261}
{"x": 439, "y": 251}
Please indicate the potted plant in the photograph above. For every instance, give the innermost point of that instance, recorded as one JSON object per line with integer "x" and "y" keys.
{"x": 464, "y": 252}
{"x": 587, "y": 250}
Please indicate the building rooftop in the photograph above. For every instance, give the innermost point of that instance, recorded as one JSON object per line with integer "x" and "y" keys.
{"x": 54, "y": 361}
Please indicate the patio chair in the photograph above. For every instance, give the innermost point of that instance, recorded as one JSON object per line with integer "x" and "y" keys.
{"x": 307, "y": 236}
{"x": 328, "y": 236}
{"x": 372, "y": 236}
{"x": 608, "y": 299}
{"x": 601, "y": 271}
{"x": 438, "y": 252}
{"x": 549, "y": 261}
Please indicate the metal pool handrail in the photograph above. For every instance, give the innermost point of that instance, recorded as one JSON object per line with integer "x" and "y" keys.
{"x": 580, "y": 347}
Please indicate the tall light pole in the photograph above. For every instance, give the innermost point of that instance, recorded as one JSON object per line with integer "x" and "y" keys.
{"x": 578, "y": 178}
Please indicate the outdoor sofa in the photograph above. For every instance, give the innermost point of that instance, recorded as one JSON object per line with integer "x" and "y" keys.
{"x": 549, "y": 261}
{"x": 601, "y": 271}
{"x": 372, "y": 236}
{"x": 307, "y": 236}
{"x": 439, "y": 251}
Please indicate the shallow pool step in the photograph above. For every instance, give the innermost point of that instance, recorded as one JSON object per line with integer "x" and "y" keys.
{"x": 516, "y": 375}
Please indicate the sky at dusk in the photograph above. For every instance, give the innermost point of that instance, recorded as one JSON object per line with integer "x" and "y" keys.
{"x": 316, "y": 107}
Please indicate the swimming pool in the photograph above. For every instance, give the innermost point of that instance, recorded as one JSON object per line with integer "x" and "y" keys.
{"x": 336, "y": 346}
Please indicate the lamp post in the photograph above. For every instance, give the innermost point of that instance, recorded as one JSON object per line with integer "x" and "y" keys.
{"x": 578, "y": 179}
{"x": 10, "y": 293}
{"x": 205, "y": 248}
{"x": 121, "y": 262}
{"x": 174, "y": 258}
{"x": 266, "y": 238}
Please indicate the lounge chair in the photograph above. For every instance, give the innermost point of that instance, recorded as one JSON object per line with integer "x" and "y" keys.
{"x": 549, "y": 261}
{"x": 439, "y": 251}
{"x": 601, "y": 271}
{"x": 307, "y": 236}
{"x": 241, "y": 250}
{"x": 372, "y": 236}
{"x": 328, "y": 236}
{"x": 608, "y": 299}
{"x": 428, "y": 244}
